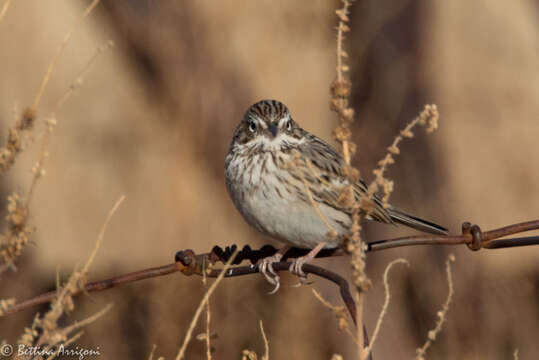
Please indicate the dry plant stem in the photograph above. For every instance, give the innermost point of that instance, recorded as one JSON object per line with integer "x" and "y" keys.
{"x": 16, "y": 136}
{"x": 52, "y": 118}
{"x": 360, "y": 336}
{"x": 339, "y": 312}
{"x": 14, "y": 241}
{"x": 80, "y": 77}
{"x": 15, "y": 142}
{"x": 442, "y": 314}
{"x": 152, "y": 352}
{"x": 383, "y": 312}
{"x": 429, "y": 118}
{"x": 77, "y": 326}
{"x": 50, "y": 333}
{"x": 266, "y": 343}
{"x": 90, "y": 319}
{"x": 102, "y": 233}
{"x": 248, "y": 355}
{"x": 4, "y": 9}
{"x": 38, "y": 168}
{"x": 17, "y": 234}
{"x": 68, "y": 342}
{"x": 59, "y": 53}
{"x": 208, "y": 335}
{"x": 181, "y": 352}
{"x": 340, "y": 93}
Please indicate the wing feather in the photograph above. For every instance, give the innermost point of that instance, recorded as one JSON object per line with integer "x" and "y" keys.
{"x": 324, "y": 170}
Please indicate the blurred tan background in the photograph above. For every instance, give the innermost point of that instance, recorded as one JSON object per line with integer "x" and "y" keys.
{"x": 154, "y": 118}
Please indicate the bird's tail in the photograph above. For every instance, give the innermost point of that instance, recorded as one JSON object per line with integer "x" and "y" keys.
{"x": 401, "y": 217}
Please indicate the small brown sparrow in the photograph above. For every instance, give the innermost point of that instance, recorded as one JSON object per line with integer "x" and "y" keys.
{"x": 286, "y": 183}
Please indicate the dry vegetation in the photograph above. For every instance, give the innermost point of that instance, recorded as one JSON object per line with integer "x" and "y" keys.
{"x": 153, "y": 119}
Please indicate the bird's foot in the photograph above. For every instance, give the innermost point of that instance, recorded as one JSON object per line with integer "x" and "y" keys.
{"x": 297, "y": 269}
{"x": 265, "y": 267}
{"x": 297, "y": 264}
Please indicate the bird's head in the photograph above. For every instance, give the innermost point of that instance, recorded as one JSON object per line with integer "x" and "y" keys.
{"x": 269, "y": 126}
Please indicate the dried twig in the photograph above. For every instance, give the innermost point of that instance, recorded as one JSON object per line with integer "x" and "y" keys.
{"x": 4, "y": 9}
{"x": 429, "y": 118}
{"x": 340, "y": 313}
{"x": 80, "y": 77}
{"x": 181, "y": 352}
{"x": 44, "y": 331}
{"x": 16, "y": 134}
{"x": 59, "y": 53}
{"x": 13, "y": 242}
{"x": 340, "y": 95}
{"x": 266, "y": 343}
{"x": 383, "y": 312}
{"x": 102, "y": 233}
{"x": 152, "y": 352}
{"x": 420, "y": 352}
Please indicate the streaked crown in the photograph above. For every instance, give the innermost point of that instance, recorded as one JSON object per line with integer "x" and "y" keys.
{"x": 266, "y": 121}
{"x": 268, "y": 111}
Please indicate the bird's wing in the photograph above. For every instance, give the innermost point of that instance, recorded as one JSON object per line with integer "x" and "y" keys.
{"x": 323, "y": 172}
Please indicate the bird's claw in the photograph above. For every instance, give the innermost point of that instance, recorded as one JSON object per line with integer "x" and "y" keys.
{"x": 296, "y": 268}
{"x": 266, "y": 268}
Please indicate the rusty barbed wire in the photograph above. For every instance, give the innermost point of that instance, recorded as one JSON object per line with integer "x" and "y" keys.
{"x": 190, "y": 263}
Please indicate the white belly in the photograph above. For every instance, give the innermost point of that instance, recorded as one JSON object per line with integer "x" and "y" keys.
{"x": 278, "y": 213}
{"x": 294, "y": 222}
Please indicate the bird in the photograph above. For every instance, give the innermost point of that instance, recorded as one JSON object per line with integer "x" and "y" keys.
{"x": 287, "y": 182}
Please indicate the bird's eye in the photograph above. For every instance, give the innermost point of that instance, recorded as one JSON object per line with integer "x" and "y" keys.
{"x": 252, "y": 126}
{"x": 289, "y": 125}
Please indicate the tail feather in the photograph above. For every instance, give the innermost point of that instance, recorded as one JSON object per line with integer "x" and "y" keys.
{"x": 401, "y": 217}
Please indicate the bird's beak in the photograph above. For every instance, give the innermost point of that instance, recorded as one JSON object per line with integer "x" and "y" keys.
{"x": 273, "y": 129}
